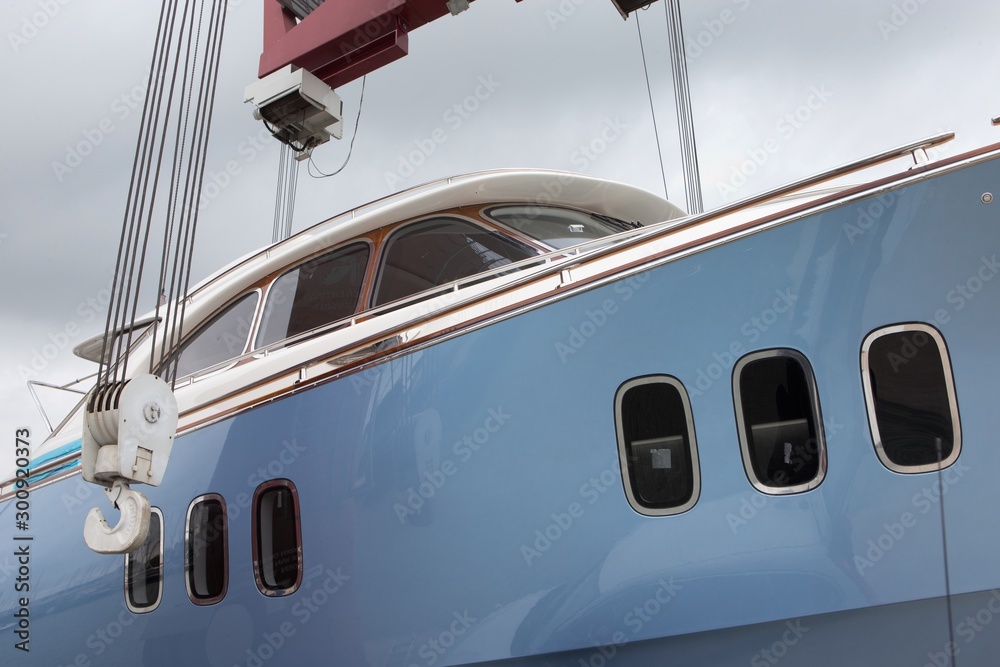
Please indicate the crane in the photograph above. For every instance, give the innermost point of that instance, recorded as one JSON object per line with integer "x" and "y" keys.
{"x": 312, "y": 47}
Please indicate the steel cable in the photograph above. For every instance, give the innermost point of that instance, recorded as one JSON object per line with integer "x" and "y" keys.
{"x": 182, "y": 82}
{"x": 140, "y": 152}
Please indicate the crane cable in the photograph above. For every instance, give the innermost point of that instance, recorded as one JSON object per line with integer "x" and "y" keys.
{"x": 682, "y": 100}
{"x": 652, "y": 110}
{"x": 284, "y": 197}
{"x": 180, "y": 93}
{"x": 139, "y": 166}
{"x": 196, "y": 177}
{"x": 357, "y": 123}
{"x": 288, "y": 174}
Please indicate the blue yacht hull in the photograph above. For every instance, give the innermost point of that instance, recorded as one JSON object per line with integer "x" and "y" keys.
{"x": 463, "y": 503}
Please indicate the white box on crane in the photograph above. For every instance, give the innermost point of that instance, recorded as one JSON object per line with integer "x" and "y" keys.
{"x": 297, "y": 107}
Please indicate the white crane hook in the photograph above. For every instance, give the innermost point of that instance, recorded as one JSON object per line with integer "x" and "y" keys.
{"x": 131, "y": 529}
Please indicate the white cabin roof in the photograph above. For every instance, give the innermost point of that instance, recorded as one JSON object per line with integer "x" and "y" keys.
{"x": 524, "y": 186}
{"x": 536, "y": 186}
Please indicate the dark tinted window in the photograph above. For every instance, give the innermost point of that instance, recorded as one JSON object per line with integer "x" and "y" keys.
{"x": 557, "y": 227}
{"x": 656, "y": 445}
{"x": 206, "y": 557}
{"x": 223, "y": 338}
{"x": 911, "y": 397}
{"x": 437, "y": 251}
{"x": 144, "y": 568}
{"x": 277, "y": 538}
{"x": 321, "y": 291}
{"x": 781, "y": 432}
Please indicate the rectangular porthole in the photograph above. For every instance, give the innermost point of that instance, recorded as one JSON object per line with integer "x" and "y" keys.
{"x": 656, "y": 445}
{"x": 779, "y": 421}
{"x": 144, "y": 569}
{"x": 206, "y": 550}
{"x": 277, "y": 538}
{"x": 910, "y": 394}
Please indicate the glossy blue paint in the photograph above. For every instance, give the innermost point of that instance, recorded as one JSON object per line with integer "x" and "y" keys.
{"x": 463, "y": 504}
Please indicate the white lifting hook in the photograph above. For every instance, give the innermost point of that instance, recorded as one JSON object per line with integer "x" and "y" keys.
{"x": 131, "y": 529}
{"x": 128, "y": 433}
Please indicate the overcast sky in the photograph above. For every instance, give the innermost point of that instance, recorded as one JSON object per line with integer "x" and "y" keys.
{"x": 794, "y": 87}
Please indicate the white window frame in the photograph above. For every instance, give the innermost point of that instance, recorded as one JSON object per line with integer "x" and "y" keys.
{"x": 635, "y": 503}
{"x": 949, "y": 381}
{"x": 817, "y": 414}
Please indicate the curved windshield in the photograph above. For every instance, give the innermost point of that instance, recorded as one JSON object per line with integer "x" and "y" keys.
{"x": 321, "y": 291}
{"x": 438, "y": 251}
{"x": 224, "y": 337}
{"x": 558, "y": 227}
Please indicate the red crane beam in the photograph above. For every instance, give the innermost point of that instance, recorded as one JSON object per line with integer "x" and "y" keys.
{"x": 342, "y": 40}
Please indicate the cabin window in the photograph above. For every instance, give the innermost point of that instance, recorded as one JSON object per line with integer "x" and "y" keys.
{"x": 779, "y": 422}
{"x": 144, "y": 569}
{"x": 277, "y": 538}
{"x": 224, "y": 337}
{"x": 557, "y": 227}
{"x": 321, "y": 291}
{"x": 656, "y": 445}
{"x": 910, "y": 393}
{"x": 437, "y": 251}
{"x": 206, "y": 550}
